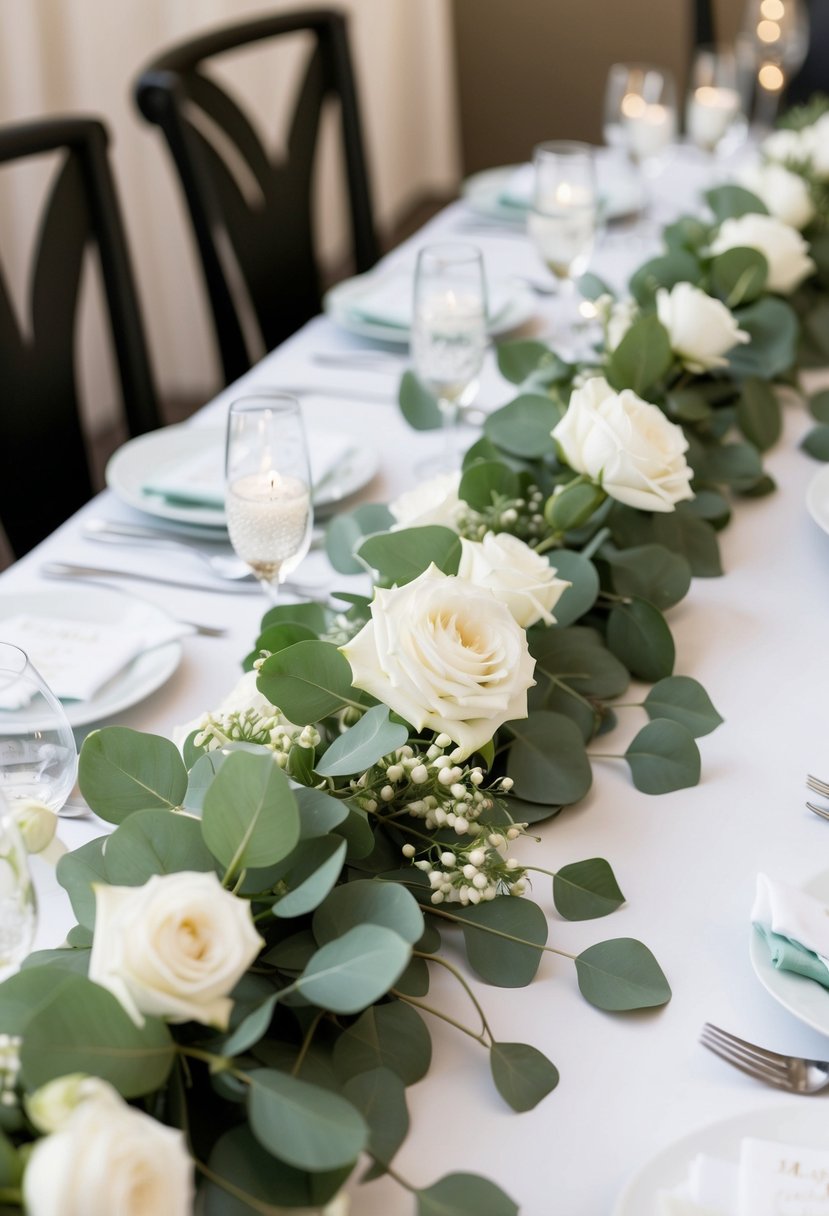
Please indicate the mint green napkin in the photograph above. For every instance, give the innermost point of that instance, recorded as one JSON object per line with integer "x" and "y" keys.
{"x": 787, "y": 955}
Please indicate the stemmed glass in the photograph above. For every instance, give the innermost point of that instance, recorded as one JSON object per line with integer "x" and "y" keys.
{"x": 38, "y": 756}
{"x": 772, "y": 47}
{"x": 714, "y": 114}
{"x": 640, "y": 112}
{"x": 449, "y": 334}
{"x": 18, "y": 905}
{"x": 562, "y": 219}
{"x": 268, "y": 486}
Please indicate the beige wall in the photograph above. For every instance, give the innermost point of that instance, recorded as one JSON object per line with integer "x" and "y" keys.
{"x": 535, "y": 69}
{"x": 83, "y": 55}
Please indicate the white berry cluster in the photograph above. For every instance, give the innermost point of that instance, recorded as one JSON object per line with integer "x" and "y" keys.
{"x": 252, "y": 726}
{"x": 9, "y": 1068}
{"x": 473, "y": 872}
{"x": 430, "y": 785}
{"x": 521, "y": 517}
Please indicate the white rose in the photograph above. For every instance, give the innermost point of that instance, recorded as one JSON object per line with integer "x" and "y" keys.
{"x": 515, "y": 574}
{"x": 626, "y": 445}
{"x": 173, "y": 948}
{"x": 433, "y": 502}
{"x": 621, "y": 316}
{"x": 36, "y": 823}
{"x": 783, "y": 248}
{"x": 446, "y": 656}
{"x": 785, "y": 194}
{"x": 51, "y": 1106}
{"x": 108, "y": 1159}
{"x": 701, "y": 329}
{"x": 815, "y": 140}
{"x": 785, "y": 146}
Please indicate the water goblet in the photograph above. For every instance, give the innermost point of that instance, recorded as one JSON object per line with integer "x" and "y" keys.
{"x": 449, "y": 334}
{"x": 268, "y": 486}
{"x": 772, "y": 46}
{"x": 714, "y": 118}
{"x": 38, "y": 756}
{"x": 562, "y": 219}
{"x": 640, "y": 113}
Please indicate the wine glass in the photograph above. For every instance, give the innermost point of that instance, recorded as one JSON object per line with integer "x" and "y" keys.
{"x": 18, "y": 904}
{"x": 640, "y": 112}
{"x": 773, "y": 43}
{"x": 449, "y": 334}
{"x": 38, "y": 756}
{"x": 562, "y": 219}
{"x": 714, "y": 113}
{"x": 268, "y": 486}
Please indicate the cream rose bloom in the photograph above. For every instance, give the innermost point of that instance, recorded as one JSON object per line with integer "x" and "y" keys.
{"x": 701, "y": 329}
{"x": 515, "y": 574}
{"x": 52, "y": 1105}
{"x": 785, "y": 146}
{"x": 445, "y": 655}
{"x": 626, "y": 445}
{"x": 815, "y": 140}
{"x": 173, "y": 948}
{"x": 432, "y": 502}
{"x": 785, "y": 194}
{"x": 783, "y": 248}
{"x": 109, "y": 1158}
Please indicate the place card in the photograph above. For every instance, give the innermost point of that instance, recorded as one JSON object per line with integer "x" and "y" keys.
{"x": 783, "y": 1180}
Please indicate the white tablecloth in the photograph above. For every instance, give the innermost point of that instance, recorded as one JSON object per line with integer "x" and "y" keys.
{"x": 686, "y": 862}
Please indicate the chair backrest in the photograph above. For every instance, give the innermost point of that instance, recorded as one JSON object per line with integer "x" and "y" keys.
{"x": 704, "y": 30}
{"x": 270, "y": 239}
{"x": 44, "y": 471}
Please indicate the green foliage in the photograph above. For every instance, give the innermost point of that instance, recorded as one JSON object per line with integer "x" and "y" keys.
{"x": 464, "y": 1195}
{"x": 363, "y": 744}
{"x": 586, "y": 889}
{"x": 621, "y": 975}
{"x": 663, "y": 757}
{"x": 399, "y": 557}
{"x": 122, "y": 770}
{"x": 418, "y": 406}
{"x": 250, "y": 815}
{"x": 304, "y": 1125}
{"x": 730, "y": 202}
{"x": 308, "y": 681}
{"x": 489, "y": 933}
{"x": 522, "y": 1074}
{"x": 522, "y": 428}
{"x": 345, "y": 533}
{"x": 642, "y": 358}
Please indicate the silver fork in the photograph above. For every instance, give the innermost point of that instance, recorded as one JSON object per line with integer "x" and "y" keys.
{"x": 817, "y": 786}
{"x": 793, "y": 1073}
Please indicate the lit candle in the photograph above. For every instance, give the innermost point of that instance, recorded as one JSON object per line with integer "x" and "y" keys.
{"x": 268, "y": 517}
{"x": 649, "y": 128}
{"x": 711, "y": 112}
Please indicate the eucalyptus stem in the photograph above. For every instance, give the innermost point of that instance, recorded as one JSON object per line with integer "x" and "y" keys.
{"x": 565, "y": 687}
{"x": 306, "y": 1043}
{"x": 595, "y": 543}
{"x": 510, "y": 937}
{"x": 216, "y": 1063}
{"x": 444, "y": 1017}
{"x": 442, "y": 962}
{"x": 552, "y": 542}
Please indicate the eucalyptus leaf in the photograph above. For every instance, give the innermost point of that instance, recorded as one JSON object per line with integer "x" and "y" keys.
{"x": 312, "y": 615}
{"x": 488, "y": 933}
{"x": 663, "y": 757}
{"x": 346, "y": 531}
{"x": 392, "y": 1036}
{"x": 418, "y": 406}
{"x": 684, "y": 700}
{"x": 250, "y": 1172}
{"x": 354, "y": 970}
{"x": 547, "y": 761}
{"x": 308, "y": 1127}
{"x": 522, "y": 1074}
{"x": 380, "y": 1097}
{"x": 816, "y": 442}
{"x": 155, "y": 842}
{"x": 363, "y": 744}
{"x": 620, "y": 975}
{"x": 367, "y": 901}
{"x": 481, "y": 482}
{"x": 643, "y": 357}
{"x": 319, "y": 813}
{"x": 519, "y": 360}
{"x": 77, "y": 871}
{"x": 250, "y": 815}
{"x": 738, "y": 276}
{"x": 578, "y": 656}
{"x": 585, "y": 890}
{"x": 650, "y": 572}
{"x": 730, "y": 202}
{"x": 819, "y": 406}
{"x": 308, "y": 682}
{"x": 591, "y": 287}
{"x": 773, "y": 328}
{"x": 583, "y": 577}
{"x": 122, "y": 770}
{"x": 315, "y": 867}
{"x": 758, "y": 414}
{"x": 399, "y": 557}
{"x": 524, "y": 426}
{"x": 464, "y": 1195}
{"x": 639, "y": 636}
{"x": 676, "y": 266}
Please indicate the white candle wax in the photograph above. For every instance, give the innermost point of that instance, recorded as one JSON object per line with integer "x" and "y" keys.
{"x": 268, "y": 518}
{"x": 648, "y": 130}
{"x": 711, "y": 112}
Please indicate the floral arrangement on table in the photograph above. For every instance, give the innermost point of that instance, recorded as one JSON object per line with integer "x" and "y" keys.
{"x": 240, "y": 1008}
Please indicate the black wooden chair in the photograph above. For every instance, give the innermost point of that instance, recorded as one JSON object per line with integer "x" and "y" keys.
{"x": 44, "y": 470}
{"x": 268, "y": 242}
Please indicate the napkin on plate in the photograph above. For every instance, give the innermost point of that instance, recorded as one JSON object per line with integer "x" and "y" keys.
{"x": 199, "y": 481}
{"x": 76, "y": 657}
{"x": 518, "y": 188}
{"x": 795, "y": 927}
{"x": 386, "y": 299}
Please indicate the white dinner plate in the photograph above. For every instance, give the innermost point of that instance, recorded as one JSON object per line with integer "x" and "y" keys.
{"x": 104, "y": 605}
{"x": 817, "y": 498}
{"x": 804, "y": 1125}
{"x": 338, "y": 304}
{"x": 484, "y": 193}
{"x": 159, "y": 451}
{"x": 806, "y": 999}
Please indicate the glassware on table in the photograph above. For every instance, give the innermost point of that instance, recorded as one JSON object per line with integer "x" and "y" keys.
{"x": 449, "y": 334}
{"x": 268, "y": 491}
{"x": 563, "y": 218}
{"x": 714, "y": 117}
{"x": 640, "y": 112}
{"x": 38, "y": 755}
{"x": 18, "y": 904}
{"x": 772, "y": 46}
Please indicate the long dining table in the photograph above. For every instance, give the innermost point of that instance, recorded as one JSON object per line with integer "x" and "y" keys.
{"x": 756, "y": 638}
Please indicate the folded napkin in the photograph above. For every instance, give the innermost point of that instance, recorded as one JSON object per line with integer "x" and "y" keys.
{"x": 75, "y": 657}
{"x": 386, "y": 299}
{"x": 518, "y": 188}
{"x": 199, "y": 480}
{"x": 795, "y": 926}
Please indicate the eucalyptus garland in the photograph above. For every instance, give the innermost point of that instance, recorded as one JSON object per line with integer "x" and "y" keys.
{"x": 246, "y": 995}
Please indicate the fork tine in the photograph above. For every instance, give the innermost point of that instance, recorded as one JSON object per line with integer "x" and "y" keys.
{"x": 818, "y": 810}
{"x": 778, "y": 1080}
{"x": 743, "y": 1047}
{"x": 818, "y": 786}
